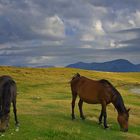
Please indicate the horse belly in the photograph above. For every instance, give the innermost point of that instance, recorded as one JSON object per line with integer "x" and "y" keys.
{"x": 91, "y": 98}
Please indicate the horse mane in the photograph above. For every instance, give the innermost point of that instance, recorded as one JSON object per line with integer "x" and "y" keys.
{"x": 118, "y": 101}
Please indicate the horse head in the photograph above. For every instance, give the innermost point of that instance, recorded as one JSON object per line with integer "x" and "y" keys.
{"x": 123, "y": 120}
{"x": 4, "y": 122}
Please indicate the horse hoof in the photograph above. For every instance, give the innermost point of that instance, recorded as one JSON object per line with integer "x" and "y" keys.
{"x": 83, "y": 118}
{"x": 106, "y": 127}
{"x": 73, "y": 118}
{"x": 99, "y": 123}
{"x": 17, "y": 124}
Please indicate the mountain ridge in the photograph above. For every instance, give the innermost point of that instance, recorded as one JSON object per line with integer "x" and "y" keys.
{"x": 118, "y": 65}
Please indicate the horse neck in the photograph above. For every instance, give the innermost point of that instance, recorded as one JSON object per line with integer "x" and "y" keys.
{"x": 118, "y": 103}
{"x": 116, "y": 97}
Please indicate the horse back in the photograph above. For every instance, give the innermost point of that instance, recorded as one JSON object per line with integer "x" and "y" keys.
{"x": 4, "y": 79}
{"x": 7, "y": 83}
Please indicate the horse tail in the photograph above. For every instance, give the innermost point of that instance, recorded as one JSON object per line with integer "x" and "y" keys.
{"x": 7, "y": 96}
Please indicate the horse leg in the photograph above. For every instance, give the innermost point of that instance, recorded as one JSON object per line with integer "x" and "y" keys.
{"x": 73, "y": 105}
{"x": 6, "y": 115}
{"x": 80, "y": 109}
{"x": 100, "y": 117}
{"x": 104, "y": 114}
{"x": 15, "y": 112}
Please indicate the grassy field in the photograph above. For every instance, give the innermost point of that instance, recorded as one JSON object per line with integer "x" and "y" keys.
{"x": 44, "y": 106}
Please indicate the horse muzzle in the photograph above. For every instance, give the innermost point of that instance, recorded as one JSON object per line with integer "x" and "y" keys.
{"x": 124, "y": 130}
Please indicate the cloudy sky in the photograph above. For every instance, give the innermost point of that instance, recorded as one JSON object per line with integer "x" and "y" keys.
{"x": 60, "y": 32}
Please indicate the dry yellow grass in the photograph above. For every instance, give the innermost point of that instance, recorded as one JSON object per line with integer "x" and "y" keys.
{"x": 44, "y": 100}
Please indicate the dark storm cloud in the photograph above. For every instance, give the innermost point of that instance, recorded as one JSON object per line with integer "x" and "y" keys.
{"x": 117, "y": 4}
{"x": 134, "y": 42}
{"x": 132, "y": 30}
{"x": 59, "y": 32}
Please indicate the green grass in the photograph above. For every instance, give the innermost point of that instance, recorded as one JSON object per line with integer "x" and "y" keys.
{"x": 44, "y": 106}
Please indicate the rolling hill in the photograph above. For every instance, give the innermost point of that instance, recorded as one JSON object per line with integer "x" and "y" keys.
{"x": 119, "y": 65}
{"x": 44, "y": 106}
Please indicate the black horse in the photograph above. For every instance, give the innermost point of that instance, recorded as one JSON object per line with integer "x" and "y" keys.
{"x": 8, "y": 93}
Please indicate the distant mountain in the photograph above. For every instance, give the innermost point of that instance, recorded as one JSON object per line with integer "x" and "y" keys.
{"x": 45, "y": 66}
{"x": 119, "y": 65}
{"x": 41, "y": 66}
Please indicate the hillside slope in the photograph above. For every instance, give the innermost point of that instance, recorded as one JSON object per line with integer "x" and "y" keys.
{"x": 44, "y": 106}
{"x": 119, "y": 65}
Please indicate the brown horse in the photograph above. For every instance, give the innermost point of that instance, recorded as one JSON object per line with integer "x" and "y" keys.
{"x": 98, "y": 92}
{"x": 7, "y": 95}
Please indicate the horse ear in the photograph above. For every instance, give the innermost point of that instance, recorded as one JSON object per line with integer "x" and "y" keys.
{"x": 128, "y": 109}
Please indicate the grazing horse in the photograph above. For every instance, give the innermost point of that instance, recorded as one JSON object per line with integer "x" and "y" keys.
{"x": 7, "y": 95}
{"x": 98, "y": 92}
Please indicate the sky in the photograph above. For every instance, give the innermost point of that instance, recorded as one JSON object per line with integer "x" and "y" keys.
{"x": 61, "y": 32}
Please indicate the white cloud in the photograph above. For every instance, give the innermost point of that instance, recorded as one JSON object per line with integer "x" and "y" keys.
{"x": 39, "y": 60}
{"x": 130, "y": 21}
{"x": 112, "y": 44}
{"x": 137, "y": 17}
{"x": 87, "y": 46}
{"x": 93, "y": 32}
{"x": 87, "y": 37}
{"x": 99, "y": 28}
{"x": 52, "y": 26}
